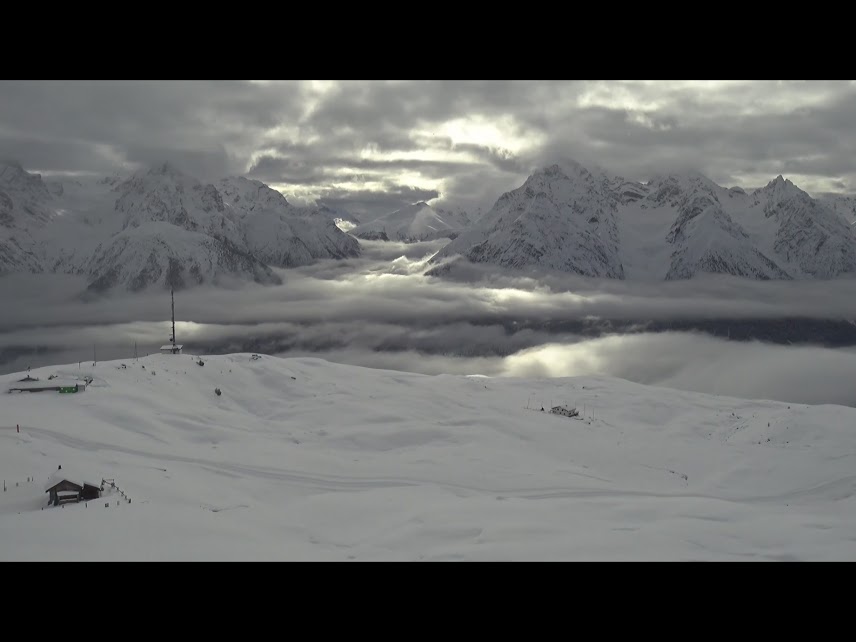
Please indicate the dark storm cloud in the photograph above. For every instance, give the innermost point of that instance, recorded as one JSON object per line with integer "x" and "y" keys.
{"x": 51, "y": 156}
{"x": 298, "y": 172}
{"x": 759, "y": 128}
{"x": 501, "y": 159}
{"x": 366, "y": 203}
{"x": 476, "y": 189}
{"x": 402, "y": 105}
{"x": 270, "y": 169}
{"x": 466, "y": 141}
{"x": 112, "y": 122}
{"x": 206, "y": 164}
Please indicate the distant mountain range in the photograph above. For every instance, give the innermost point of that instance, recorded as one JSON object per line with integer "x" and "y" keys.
{"x": 417, "y": 222}
{"x": 159, "y": 227}
{"x": 585, "y": 221}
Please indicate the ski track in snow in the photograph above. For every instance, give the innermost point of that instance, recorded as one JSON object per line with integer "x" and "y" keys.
{"x": 345, "y": 483}
{"x": 305, "y": 459}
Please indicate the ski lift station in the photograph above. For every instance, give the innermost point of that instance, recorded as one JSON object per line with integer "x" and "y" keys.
{"x": 63, "y": 385}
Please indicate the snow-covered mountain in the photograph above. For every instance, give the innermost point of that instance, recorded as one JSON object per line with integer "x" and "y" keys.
{"x": 23, "y": 209}
{"x": 417, "y": 222}
{"x": 842, "y": 204}
{"x": 458, "y": 216}
{"x": 280, "y": 234}
{"x": 574, "y": 219}
{"x": 158, "y": 227}
{"x": 23, "y": 197}
{"x": 561, "y": 218}
{"x": 158, "y": 253}
{"x": 708, "y": 240}
{"x": 343, "y": 219}
{"x": 810, "y": 237}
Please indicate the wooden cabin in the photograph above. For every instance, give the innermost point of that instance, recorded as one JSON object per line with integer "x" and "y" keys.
{"x": 169, "y": 348}
{"x": 564, "y": 411}
{"x": 62, "y": 488}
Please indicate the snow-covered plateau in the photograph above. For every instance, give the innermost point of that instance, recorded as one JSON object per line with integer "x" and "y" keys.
{"x": 302, "y": 459}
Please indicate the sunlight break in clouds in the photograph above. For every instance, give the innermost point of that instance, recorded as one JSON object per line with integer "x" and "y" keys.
{"x": 463, "y": 143}
{"x": 381, "y": 311}
{"x": 700, "y": 363}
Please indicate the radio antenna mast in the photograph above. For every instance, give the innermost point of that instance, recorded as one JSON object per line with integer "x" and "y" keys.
{"x": 172, "y": 297}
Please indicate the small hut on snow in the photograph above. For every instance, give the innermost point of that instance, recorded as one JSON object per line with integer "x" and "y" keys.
{"x": 564, "y": 411}
{"x": 66, "y": 486}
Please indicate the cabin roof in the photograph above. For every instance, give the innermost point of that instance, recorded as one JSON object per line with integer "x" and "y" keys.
{"x": 169, "y": 346}
{"x": 48, "y": 383}
{"x": 69, "y": 475}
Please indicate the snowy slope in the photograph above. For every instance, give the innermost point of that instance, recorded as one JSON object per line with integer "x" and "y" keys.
{"x": 842, "y": 204}
{"x": 24, "y": 197}
{"x": 675, "y": 226}
{"x": 706, "y": 239}
{"x": 164, "y": 194}
{"x": 86, "y": 216}
{"x": 341, "y": 217}
{"x": 413, "y": 223}
{"x": 561, "y": 218}
{"x": 809, "y": 235}
{"x": 157, "y": 227}
{"x": 301, "y": 459}
{"x": 280, "y": 234}
{"x": 176, "y": 231}
{"x": 164, "y": 255}
{"x": 23, "y": 209}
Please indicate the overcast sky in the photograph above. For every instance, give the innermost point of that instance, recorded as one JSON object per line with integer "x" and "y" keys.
{"x": 375, "y": 146}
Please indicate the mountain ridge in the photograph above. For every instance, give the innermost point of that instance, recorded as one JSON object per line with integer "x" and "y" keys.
{"x": 159, "y": 227}
{"x": 568, "y": 218}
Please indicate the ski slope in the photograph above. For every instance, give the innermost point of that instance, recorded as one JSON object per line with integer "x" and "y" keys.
{"x": 303, "y": 459}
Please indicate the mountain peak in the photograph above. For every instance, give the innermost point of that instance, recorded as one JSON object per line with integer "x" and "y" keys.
{"x": 567, "y": 167}
{"x": 12, "y": 171}
{"x": 681, "y": 177}
{"x": 165, "y": 169}
{"x": 781, "y": 187}
{"x": 13, "y": 164}
{"x": 779, "y": 181}
{"x": 28, "y": 186}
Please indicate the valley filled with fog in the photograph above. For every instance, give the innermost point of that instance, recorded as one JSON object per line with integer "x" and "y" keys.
{"x": 781, "y": 340}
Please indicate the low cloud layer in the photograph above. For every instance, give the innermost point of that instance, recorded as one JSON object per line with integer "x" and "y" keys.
{"x": 381, "y": 311}
{"x": 372, "y": 146}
